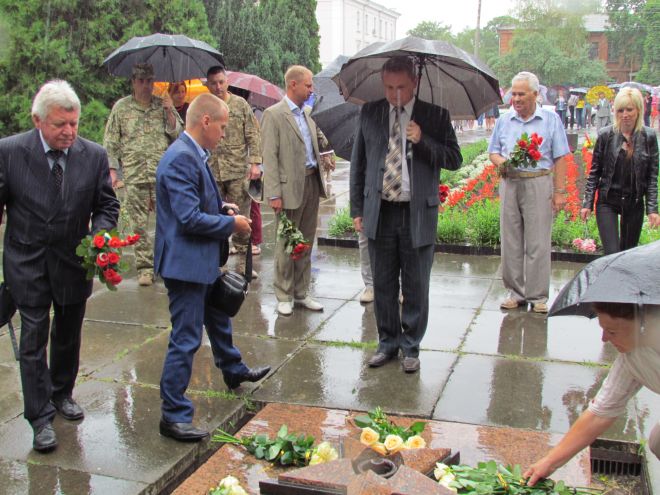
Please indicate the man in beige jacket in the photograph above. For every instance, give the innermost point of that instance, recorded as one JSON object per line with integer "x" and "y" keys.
{"x": 293, "y": 184}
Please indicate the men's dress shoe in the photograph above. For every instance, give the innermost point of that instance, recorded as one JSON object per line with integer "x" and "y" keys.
{"x": 284, "y": 308}
{"x": 367, "y": 295}
{"x": 44, "y": 438}
{"x": 410, "y": 364}
{"x": 251, "y": 375}
{"x": 379, "y": 359}
{"x": 540, "y": 307}
{"x": 511, "y": 303}
{"x": 183, "y": 432}
{"x": 68, "y": 408}
{"x": 310, "y": 303}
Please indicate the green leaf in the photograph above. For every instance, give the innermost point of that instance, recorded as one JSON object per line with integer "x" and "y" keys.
{"x": 260, "y": 452}
{"x": 287, "y": 458}
{"x": 363, "y": 421}
{"x": 273, "y": 452}
{"x": 283, "y": 431}
{"x": 417, "y": 427}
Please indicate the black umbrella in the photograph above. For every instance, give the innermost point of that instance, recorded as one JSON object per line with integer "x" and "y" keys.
{"x": 449, "y": 76}
{"x": 631, "y": 276}
{"x": 337, "y": 118}
{"x": 174, "y": 57}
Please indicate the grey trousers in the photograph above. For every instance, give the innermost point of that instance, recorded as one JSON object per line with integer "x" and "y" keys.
{"x": 292, "y": 277}
{"x": 365, "y": 262}
{"x": 525, "y": 231}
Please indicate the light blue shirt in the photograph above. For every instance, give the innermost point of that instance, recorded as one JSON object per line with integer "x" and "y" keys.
{"x": 47, "y": 148}
{"x": 299, "y": 115}
{"x": 510, "y": 126}
{"x": 204, "y": 154}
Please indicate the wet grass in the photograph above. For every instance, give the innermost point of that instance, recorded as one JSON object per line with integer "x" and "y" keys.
{"x": 372, "y": 344}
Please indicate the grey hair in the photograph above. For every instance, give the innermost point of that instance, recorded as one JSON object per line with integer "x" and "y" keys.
{"x": 531, "y": 79}
{"x": 55, "y": 93}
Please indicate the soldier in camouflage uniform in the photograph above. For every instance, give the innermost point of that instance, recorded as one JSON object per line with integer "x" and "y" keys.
{"x": 236, "y": 160}
{"x": 139, "y": 130}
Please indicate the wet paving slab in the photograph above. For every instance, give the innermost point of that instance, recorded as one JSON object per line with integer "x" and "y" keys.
{"x": 339, "y": 377}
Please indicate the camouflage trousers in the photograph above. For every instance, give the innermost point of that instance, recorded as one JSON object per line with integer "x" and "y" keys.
{"x": 235, "y": 191}
{"x": 140, "y": 201}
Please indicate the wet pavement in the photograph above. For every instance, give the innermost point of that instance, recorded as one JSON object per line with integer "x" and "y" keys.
{"x": 479, "y": 366}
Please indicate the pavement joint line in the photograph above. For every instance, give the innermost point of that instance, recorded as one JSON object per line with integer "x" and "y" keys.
{"x": 129, "y": 323}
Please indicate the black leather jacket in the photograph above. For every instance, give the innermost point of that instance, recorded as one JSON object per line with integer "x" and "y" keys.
{"x": 644, "y": 161}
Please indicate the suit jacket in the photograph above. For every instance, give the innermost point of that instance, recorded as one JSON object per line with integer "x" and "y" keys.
{"x": 604, "y": 110}
{"x": 283, "y": 153}
{"x": 40, "y": 261}
{"x": 437, "y": 149}
{"x": 191, "y": 232}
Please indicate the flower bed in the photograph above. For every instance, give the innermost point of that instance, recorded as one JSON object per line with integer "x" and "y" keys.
{"x": 470, "y": 215}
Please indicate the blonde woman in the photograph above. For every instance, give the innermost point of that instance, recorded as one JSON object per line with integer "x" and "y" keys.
{"x": 625, "y": 173}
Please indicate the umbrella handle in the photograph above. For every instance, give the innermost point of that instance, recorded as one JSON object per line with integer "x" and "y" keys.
{"x": 420, "y": 65}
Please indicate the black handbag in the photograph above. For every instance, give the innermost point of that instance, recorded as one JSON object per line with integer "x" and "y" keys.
{"x": 231, "y": 288}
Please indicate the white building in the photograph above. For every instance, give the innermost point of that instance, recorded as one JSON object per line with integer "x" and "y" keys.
{"x": 347, "y": 26}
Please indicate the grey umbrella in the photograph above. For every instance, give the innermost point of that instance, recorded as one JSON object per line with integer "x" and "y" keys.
{"x": 337, "y": 118}
{"x": 174, "y": 57}
{"x": 631, "y": 276}
{"x": 449, "y": 76}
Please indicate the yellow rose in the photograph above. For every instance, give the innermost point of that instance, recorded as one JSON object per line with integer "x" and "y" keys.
{"x": 440, "y": 470}
{"x": 379, "y": 447}
{"x": 368, "y": 436}
{"x": 316, "y": 459}
{"x": 326, "y": 452}
{"x": 415, "y": 442}
{"x": 228, "y": 481}
{"x": 393, "y": 443}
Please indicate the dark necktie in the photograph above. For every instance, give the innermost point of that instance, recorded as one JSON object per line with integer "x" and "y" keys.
{"x": 57, "y": 172}
{"x": 392, "y": 178}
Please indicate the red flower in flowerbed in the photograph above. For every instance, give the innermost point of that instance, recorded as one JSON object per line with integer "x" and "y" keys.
{"x": 101, "y": 256}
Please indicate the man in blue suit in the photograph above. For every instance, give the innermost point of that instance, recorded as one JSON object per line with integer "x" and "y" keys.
{"x": 192, "y": 228}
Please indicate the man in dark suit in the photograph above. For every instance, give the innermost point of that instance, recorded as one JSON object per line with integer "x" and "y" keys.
{"x": 192, "y": 229}
{"x": 52, "y": 183}
{"x": 394, "y": 201}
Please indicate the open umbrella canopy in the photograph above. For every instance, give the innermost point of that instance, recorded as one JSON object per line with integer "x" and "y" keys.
{"x": 174, "y": 57}
{"x": 450, "y": 77}
{"x": 630, "y": 276}
{"x": 262, "y": 93}
{"x": 592, "y": 94}
{"x": 579, "y": 91}
{"x": 337, "y": 118}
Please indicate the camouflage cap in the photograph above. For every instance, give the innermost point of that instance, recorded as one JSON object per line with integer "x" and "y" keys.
{"x": 143, "y": 71}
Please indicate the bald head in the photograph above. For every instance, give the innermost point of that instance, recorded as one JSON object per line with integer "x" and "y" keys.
{"x": 207, "y": 119}
{"x": 298, "y": 81}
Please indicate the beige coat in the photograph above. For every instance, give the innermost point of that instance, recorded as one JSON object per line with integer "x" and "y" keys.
{"x": 283, "y": 153}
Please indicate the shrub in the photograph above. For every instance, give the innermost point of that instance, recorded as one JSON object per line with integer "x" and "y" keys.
{"x": 484, "y": 223}
{"x": 452, "y": 225}
{"x": 93, "y": 117}
{"x": 341, "y": 224}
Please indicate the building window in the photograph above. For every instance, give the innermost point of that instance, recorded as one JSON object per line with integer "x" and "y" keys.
{"x": 612, "y": 52}
{"x": 593, "y": 50}
{"x": 380, "y": 28}
{"x": 357, "y": 18}
{"x": 366, "y": 22}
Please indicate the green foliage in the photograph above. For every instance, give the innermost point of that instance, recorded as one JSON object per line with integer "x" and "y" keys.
{"x": 431, "y": 30}
{"x": 452, "y": 226}
{"x": 377, "y": 420}
{"x": 650, "y": 71}
{"x": 341, "y": 223}
{"x": 92, "y": 120}
{"x": 627, "y": 32}
{"x": 483, "y": 227}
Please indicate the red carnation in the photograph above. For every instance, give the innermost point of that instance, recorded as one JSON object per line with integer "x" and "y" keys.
{"x": 102, "y": 259}
{"x": 132, "y": 239}
{"x": 99, "y": 241}
{"x": 113, "y": 258}
{"x": 109, "y": 274}
{"x": 522, "y": 143}
{"x": 115, "y": 242}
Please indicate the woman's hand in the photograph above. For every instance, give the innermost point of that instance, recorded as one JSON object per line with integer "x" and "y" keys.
{"x": 584, "y": 214}
{"x": 654, "y": 220}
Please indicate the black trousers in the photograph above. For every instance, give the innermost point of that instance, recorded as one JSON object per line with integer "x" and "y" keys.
{"x": 619, "y": 224}
{"x": 392, "y": 256}
{"x": 40, "y": 383}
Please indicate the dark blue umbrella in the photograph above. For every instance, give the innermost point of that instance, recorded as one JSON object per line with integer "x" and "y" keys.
{"x": 174, "y": 57}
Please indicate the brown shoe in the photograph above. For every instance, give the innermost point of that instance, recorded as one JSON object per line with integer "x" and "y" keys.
{"x": 379, "y": 359}
{"x": 145, "y": 279}
{"x": 511, "y": 303}
{"x": 410, "y": 364}
{"x": 540, "y": 307}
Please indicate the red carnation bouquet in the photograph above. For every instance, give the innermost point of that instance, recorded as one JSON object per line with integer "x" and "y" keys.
{"x": 525, "y": 154}
{"x": 101, "y": 255}
{"x": 294, "y": 243}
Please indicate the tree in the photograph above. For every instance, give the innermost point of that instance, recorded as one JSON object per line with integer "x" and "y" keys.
{"x": 627, "y": 31}
{"x": 69, "y": 40}
{"x": 431, "y": 30}
{"x": 650, "y": 71}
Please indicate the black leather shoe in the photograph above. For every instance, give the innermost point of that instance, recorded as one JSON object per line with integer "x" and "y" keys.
{"x": 410, "y": 364}
{"x": 183, "y": 432}
{"x": 68, "y": 408}
{"x": 251, "y": 375}
{"x": 44, "y": 438}
{"x": 379, "y": 359}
